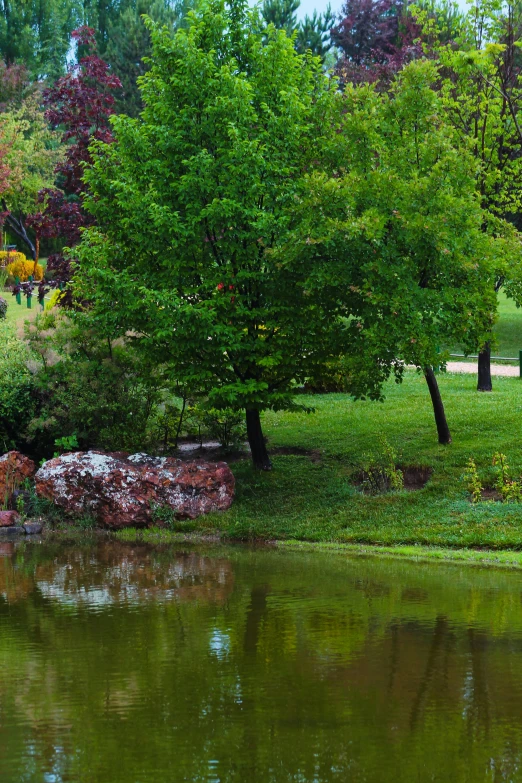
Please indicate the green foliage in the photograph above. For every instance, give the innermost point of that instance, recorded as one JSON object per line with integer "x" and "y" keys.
{"x": 128, "y": 44}
{"x": 91, "y": 389}
{"x": 34, "y": 151}
{"x": 313, "y": 33}
{"x": 482, "y": 97}
{"x": 472, "y": 480}
{"x": 67, "y": 443}
{"x": 401, "y": 232}
{"x": 17, "y": 391}
{"x": 192, "y": 200}
{"x": 38, "y": 34}
{"x": 165, "y": 516}
{"x": 380, "y": 472}
{"x": 225, "y": 425}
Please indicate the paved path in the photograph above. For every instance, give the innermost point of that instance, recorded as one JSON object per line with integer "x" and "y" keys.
{"x": 496, "y": 369}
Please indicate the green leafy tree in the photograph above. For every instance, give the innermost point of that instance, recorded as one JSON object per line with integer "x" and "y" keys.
{"x": 482, "y": 96}
{"x": 37, "y": 34}
{"x": 129, "y": 44}
{"x": 191, "y": 201}
{"x": 33, "y": 151}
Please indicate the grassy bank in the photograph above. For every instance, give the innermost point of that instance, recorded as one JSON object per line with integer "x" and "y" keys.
{"x": 312, "y": 496}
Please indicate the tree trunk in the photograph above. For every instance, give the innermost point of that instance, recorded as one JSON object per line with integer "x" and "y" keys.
{"x": 256, "y": 440}
{"x": 484, "y": 368}
{"x": 17, "y": 226}
{"x": 438, "y": 408}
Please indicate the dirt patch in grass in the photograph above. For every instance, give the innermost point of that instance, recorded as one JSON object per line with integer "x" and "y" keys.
{"x": 314, "y": 455}
{"x": 415, "y": 476}
{"x": 488, "y": 493}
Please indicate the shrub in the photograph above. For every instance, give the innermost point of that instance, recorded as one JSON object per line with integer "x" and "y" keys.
{"x": 225, "y": 425}
{"x": 473, "y": 482}
{"x": 24, "y": 269}
{"x": 3, "y": 308}
{"x": 510, "y": 490}
{"x": 17, "y": 391}
{"x": 380, "y": 472}
{"x": 11, "y": 257}
{"x": 99, "y": 391}
{"x": 54, "y": 299}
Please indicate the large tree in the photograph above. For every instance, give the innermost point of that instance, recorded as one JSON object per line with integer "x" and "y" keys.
{"x": 79, "y": 104}
{"x": 192, "y": 200}
{"x": 401, "y": 231}
{"x": 33, "y": 153}
{"x": 37, "y": 34}
{"x": 482, "y": 96}
{"x": 128, "y": 44}
{"x": 378, "y": 37}
{"x": 311, "y": 33}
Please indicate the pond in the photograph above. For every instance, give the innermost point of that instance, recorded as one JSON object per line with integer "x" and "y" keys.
{"x": 125, "y": 663}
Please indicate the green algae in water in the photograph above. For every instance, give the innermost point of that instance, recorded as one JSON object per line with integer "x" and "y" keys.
{"x": 125, "y": 663}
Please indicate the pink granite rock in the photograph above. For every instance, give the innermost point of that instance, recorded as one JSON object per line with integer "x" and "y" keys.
{"x": 14, "y": 469}
{"x": 121, "y": 490}
{"x": 9, "y": 518}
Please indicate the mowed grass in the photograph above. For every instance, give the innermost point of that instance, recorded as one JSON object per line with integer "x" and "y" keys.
{"x": 18, "y": 314}
{"x": 507, "y": 334}
{"x": 317, "y": 500}
{"x": 508, "y": 329}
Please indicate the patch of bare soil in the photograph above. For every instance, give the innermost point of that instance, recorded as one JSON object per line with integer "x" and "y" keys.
{"x": 314, "y": 455}
{"x": 488, "y": 493}
{"x": 415, "y": 476}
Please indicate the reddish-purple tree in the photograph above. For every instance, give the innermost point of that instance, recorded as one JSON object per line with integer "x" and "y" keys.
{"x": 377, "y": 39}
{"x": 81, "y": 103}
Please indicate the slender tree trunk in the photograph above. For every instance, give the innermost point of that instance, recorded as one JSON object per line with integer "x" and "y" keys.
{"x": 16, "y": 225}
{"x": 484, "y": 368}
{"x": 438, "y": 408}
{"x": 256, "y": 440}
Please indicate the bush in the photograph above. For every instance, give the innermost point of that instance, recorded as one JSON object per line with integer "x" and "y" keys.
{"x": 11, "y": 257}
{"x": 17, "y": 391}
{"x": 102, "y": 392}
{"x": 3, "y": 308}
{"x": 24, "y": 269}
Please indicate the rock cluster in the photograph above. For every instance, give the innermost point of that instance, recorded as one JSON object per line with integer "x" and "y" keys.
{"x": 11, "y": 525}
{"x": 119, "y": 490}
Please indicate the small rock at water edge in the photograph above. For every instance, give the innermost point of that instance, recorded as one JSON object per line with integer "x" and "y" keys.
{"x": 33, "y": 528}
{"x": 9, "y": 518}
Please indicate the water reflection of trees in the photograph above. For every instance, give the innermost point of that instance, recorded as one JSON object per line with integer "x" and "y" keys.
{"x": 259, "y": 667}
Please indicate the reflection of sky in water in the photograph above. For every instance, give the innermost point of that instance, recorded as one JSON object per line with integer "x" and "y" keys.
{"x": 219, "y": 643}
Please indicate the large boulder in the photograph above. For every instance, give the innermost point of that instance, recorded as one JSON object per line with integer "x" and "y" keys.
{"x": 14, "y": 469}
{"x": 121, "y": 490}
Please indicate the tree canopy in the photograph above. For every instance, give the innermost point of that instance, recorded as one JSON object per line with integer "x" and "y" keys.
{"x": 192, "y": 199}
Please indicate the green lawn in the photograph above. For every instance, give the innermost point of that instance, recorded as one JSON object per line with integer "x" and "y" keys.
{"x": 316, "y": 501}
{"x": 508, "y": 330}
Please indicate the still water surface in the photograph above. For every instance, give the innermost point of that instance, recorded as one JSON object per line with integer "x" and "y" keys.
{"x": 128, "y": 664}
